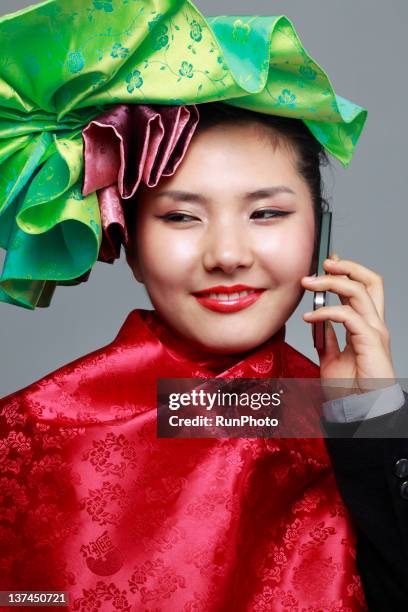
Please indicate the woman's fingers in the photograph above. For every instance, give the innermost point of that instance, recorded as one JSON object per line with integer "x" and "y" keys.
{"x": 335, "y": 257}
{"x": 355, "y": 292}
{"x": 353, "y": 322}
{"x": 331, "y": 349}
{"x": 373, "y": 282}
{"x": 367, "y": 352}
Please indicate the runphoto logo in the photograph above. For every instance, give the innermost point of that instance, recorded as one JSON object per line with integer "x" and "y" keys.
{"x": 222, "y": 421}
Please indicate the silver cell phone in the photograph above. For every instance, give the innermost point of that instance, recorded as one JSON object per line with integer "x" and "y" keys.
{"x": 319, "y": 297}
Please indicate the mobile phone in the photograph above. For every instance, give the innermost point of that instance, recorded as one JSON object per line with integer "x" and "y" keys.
{"x": 319, "y": 297}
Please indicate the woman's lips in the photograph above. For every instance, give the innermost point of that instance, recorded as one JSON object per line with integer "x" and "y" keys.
{"x": 232, "y": 305}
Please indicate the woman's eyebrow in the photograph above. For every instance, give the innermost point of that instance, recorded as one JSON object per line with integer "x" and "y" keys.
{"x": 189, "y": 196}
{"x": 268, "y": 192}
{"x": 182, "y": 196}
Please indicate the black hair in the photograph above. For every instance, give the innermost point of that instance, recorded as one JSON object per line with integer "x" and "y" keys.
{"x": 309, "y": 153}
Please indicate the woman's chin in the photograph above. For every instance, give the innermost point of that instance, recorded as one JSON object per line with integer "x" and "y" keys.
{"x": 223, "y": 334}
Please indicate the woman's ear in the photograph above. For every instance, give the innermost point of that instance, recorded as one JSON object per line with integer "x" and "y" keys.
{"x": 133, "y": 261}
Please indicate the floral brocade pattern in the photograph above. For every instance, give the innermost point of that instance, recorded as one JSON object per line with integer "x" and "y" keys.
{"x": 65, "y": 62}
{"x": 93, "y": 503}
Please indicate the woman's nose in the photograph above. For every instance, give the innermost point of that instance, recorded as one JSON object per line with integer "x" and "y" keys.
{"x": 227, "y": 248}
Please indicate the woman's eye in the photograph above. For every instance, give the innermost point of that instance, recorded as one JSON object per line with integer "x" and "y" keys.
{"x": 269, "y": 213}
{"x": 266, "y": 213}
{"x": 178, "y": 217}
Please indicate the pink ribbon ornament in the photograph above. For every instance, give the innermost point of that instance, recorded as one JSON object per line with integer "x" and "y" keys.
{"x": 128, "y": 144}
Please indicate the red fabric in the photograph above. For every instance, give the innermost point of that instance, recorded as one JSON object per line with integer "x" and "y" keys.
{"x": 92, "y": 502}
{"x": 128, "y": 144}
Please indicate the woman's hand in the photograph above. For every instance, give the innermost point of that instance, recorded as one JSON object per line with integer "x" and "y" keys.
{"x": 367, "y": 353}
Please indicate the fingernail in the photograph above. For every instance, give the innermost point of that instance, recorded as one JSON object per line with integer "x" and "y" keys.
{"x": 334, "y": 256}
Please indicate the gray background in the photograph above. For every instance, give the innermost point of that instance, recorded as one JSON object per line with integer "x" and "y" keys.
{"x": 361, "y": 45}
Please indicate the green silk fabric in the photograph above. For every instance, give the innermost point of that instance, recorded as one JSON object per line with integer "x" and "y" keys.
{"x": 64, "y": 62}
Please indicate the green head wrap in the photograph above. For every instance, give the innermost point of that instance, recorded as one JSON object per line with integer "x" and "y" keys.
{"x": 64, "y": 62}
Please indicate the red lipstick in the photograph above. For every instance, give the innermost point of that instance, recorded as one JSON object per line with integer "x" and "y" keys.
{"x": 226, "y": 305}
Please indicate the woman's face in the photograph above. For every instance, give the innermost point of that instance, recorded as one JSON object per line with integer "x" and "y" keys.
{"x": 236, "y": 212}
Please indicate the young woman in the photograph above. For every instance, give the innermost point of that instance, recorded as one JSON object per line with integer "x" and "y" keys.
{"x": 103, "y": 509}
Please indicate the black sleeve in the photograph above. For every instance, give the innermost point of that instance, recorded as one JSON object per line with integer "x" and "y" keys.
{"x": 371, "y": 471}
